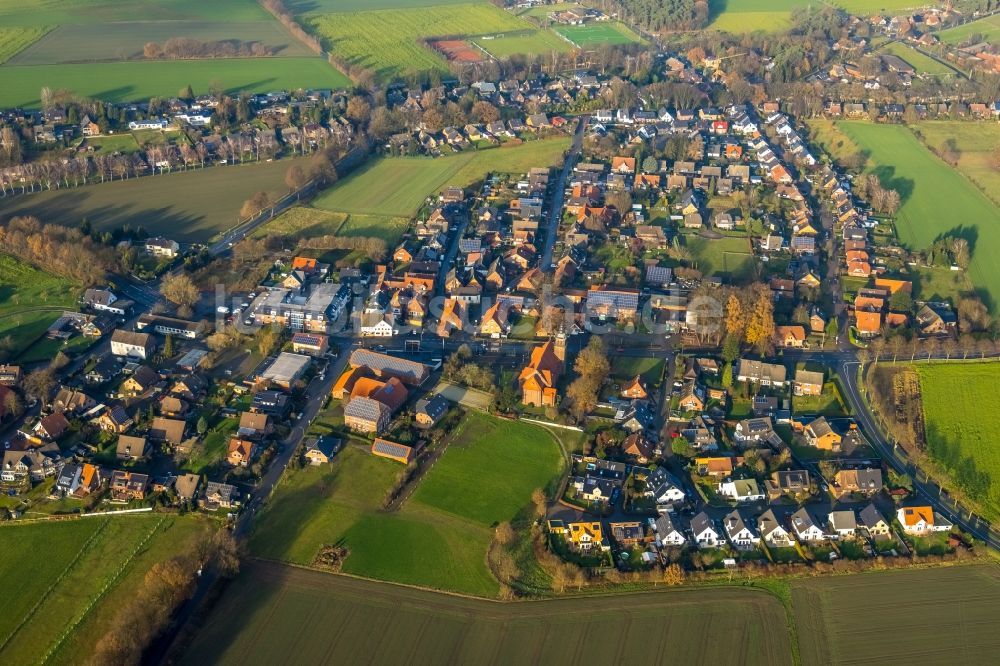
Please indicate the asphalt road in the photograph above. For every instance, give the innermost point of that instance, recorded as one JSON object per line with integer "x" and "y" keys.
{"x": 559, "y": 192}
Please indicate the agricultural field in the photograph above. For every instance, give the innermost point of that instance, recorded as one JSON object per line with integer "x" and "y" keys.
{"x": 313, "y": 7}
{"x": 396, "y": 187}
{"x": 30, "y": 300}
{"x": 937, "y": 200}
{"x": 960, "y": 433}
{"x": 90, "y": 567}
{"x": 302, "y": 222}
{"x": 481, "y": 478}
{"x": 389, "y": 42}
{"x": 134, "y": 80}
{"x": 210, "y": 204}
{"x": 599, "y": 34}
{"x": 920, "y": 62}
{"x": 125, "y": 40}
{"x": 906, "y": 614}
{"x": 14, "y": 40}
{"x": 738, "y": 16}
{"x": 728, "y": 256}
{"x": 867, "y": 7}
{"x": 72, "y": 12}
{"x": 273, "y": 613}
{"x": 988, "y": 28}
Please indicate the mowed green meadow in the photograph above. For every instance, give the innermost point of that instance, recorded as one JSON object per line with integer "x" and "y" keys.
{"x": 988, "y": 27}
{"x": 937, "y": 200}
{"x": 739, "y": 16}
{"x": 926, "y": 616}
{"x": 957, "y": 425}
{"x": 609, "y": 33}
{"x": 139, "y": 80}
{"x": 398, "y": 186}
{"x": 188, "y": 206}
{"x": 278, "y": 614}
{"x": 30, "y": 300}
{"x": 71, "y": 12}
{"x": 439, "y": 537}
{"x": 922, "y": 63}
{"x": 15, "y": 39}
{"x": 64, "y": 581}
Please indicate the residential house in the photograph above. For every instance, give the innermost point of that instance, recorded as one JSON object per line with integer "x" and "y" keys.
{"x": 186, "y": 486}
{"x": 139, "y": 382}
{"x": 161, "y": 247}
{"x": 172, "y": 406}
{"x": 167, "y": 430}
{"x": 793, "y": 482}
{"x": 806, "y": 527}
{"x": 393, "y": 451}
{"x": 717, "y": 466}
{"x": 18, "y": 465}
{"x": 313, "y": 344}
{"x": 629, "y": 534}
{"x": 10, "y": 375}
{"x": 429, "y": 411}
{"x": 127, "y": 486}
{"x": 821, "y": 435}
{"x": 843, "y": 523}
{"x": 72, "y": 401}
{"x": 254, "y": 425}
{"x": 807, "y": 382}
{"x": 51, "y": 427}
{"x": 740, "y": 532}
{"x": 773, "y": 532}
{"x": 865, "y": 481}
{"x": 692, "y": 397}
{"x": 585, "y": 536}
{"x": 706, "y": 534}
{"x": 759, "y": 372}
{"x": 664, "y": 488}
{"x": 756, "y": 431}
{"x": 668, "y": 533}
{"x": 741, "y": 490}
{"x": 921, "y": 520}
{"x": 131, "y": 448}
{"x": 241, "y": 451}
{"x": 220, "y": 496}
{"x": 78, "y": 480}
{"x": 320, "y": 450}
{"x": 789, "y": 337}
{"x": 870, "y": 519}
{"x": 635, "y": 389}
{"x": 132, "y": 344}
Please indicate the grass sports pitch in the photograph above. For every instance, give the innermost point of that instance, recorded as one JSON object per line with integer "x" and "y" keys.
{"x": 599, "y": 34}
{"x": 274, "y": 613}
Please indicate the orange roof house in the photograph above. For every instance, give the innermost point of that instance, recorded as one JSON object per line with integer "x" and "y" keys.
{"x": 789, "y": 336}
{"x": 717, "y": 466}
{"x": 241, "y": 451}
{"x": 623, "y": 164}
{"x": 864, "y": 302}
{"x": 868, "y": 323}
{"x": 307, "y": 264}
{"x": 893, "y": 286}
{"x": 538, "y": 379}
{"x": 648, "y": 180}
{"x": 495, "y": 322}
{"x": 451, "y": 317}
{"x": 859, "y": 268}
{"x": 896, "y": 319}
{"x": 635, "y": 390}
{"x": 345, "y": 384}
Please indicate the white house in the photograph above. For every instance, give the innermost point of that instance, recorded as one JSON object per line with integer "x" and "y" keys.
{"x": 132, "y": 344}
{"x": 162, "y": 247}
{"x": 374, "y": 325}
{"x": 772, "y": 532}
{"x": 843, "y": 524}
{"x": 918, "y": 520}
{"x": 739, "y": 532}
{"x": 151, "y": 124}
{"x": 805, "y": 527}
{"x": 705, "y": 533}
{"x": 664, "y": 488}
{"x": 667, "y": 532}
{"x": 741, "y": 490}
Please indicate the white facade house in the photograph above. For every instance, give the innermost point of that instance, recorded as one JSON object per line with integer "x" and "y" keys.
{"x": 706, "y": 535}
{"x": 739, "y": 532}
{"x": 806, "y": 528}
{"x": 773, "y": 532}
{"x": 741, "y": 490}
{"x": 668, "y": 534}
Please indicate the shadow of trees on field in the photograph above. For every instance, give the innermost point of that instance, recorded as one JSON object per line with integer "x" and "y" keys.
{"x": 887, "y": 176}
{"x": 947, "y": 451}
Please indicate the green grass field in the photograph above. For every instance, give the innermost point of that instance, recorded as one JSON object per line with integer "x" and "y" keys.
{"x": 957, "y": 427}
{"x": 937, "y": 200}
{"x": 275, "y": 614}
{"x": 210, "y": 203}
{"x": 312, "y": 7}
{"x": 72, "y": 12}
{"x": 397, "y": 186}
{"x": 739, "y": 16}
{"x": 976, "y": 143}
{"x": 88, "y": 42}
{"x": 988, "y": 27}
{"x": 487, "y": 477}
{"x": 599, "y": 34}
{"x": 922, "y": 63}
{"x": 867, "y": 7}
{"x": 388, "y": 41}
{"x": 134, "y": 80}
{"x": 47, "y": 615}
{"x": 119, "y": 143}
{"x": 16, "y": 39}
{"x": 529, "y": 42}
{"x": 903, "y": 619}
{"x": 30, "y": 300}
{"x": 303, "y": 222}
{"x": 625, "y": 368}
{"x": 728, "y": 257}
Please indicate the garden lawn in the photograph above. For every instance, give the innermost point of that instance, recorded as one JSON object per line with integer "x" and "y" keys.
{"x": 829, "y": 403}
{"x": 626, "y": 368}
{"x": 939, "y": 284}
{"x": 390, "y": 41}
{"x": 960, "y": 432}
{"x": 188, "y": 206}
{"x": 937, "y": 200}
{"x": 30, "y": 300}
{"x": 303, "y": 222}
{"x": 729, "y": 256}
{"x": 140, "y": 80}
{"x": 599, "y": 34}
{"x": 47, "y": 615}
{"x": 489, "y": 470}
{"x": 398, "y": 186}
{"x": 213, "y": 448}
{"x": 922, "y": 63}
